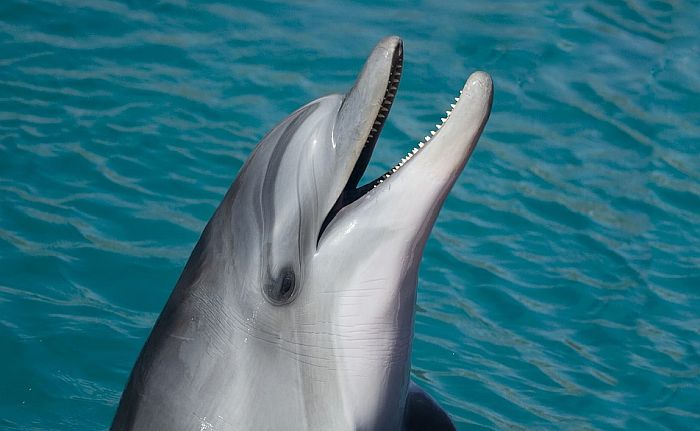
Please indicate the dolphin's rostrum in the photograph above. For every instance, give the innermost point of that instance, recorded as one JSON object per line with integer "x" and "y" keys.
{"x": 295, "y": 310}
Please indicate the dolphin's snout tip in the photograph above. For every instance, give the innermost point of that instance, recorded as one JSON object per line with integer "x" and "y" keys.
{"x": 478, "y": 92}
{"x": 479, "y": 81}
{"x": 391, "y": 44}
{"x": 392, "y": 40}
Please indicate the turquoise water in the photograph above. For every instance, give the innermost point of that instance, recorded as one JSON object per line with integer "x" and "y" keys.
{"x": 560, "y": 288}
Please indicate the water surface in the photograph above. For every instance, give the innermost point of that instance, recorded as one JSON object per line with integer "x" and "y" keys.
{"x": 559, "y": 289}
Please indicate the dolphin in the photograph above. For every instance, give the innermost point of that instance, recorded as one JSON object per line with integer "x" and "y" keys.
{"x": 295, "y": 310}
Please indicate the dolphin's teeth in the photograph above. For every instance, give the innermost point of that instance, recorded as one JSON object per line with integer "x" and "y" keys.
{"x": 421, "y": 144}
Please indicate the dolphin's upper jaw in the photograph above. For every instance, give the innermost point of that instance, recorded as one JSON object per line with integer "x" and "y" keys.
{"x": 351, "y": 191}
{"x": 392, "y": 87}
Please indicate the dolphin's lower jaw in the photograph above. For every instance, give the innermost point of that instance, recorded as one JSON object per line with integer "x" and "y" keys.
{"x": 399, "y": 208}
{"x": 480, "y": 79}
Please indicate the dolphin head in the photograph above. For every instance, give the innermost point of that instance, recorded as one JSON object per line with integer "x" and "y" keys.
{"x": 323, "y": 271}
{"x": 301, "y": 173}
{"x": 302, "y": 289}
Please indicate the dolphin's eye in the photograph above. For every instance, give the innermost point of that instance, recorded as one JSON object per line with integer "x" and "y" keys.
{"x": 281, "y": 290}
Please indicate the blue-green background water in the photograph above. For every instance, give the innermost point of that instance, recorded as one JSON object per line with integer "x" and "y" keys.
{"x": 560, "y": 288}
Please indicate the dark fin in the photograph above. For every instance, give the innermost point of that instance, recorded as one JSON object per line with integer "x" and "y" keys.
{"x": 423, "y": 413}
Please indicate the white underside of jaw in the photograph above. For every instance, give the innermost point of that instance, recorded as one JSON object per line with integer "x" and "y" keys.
{"x": 421, "y": 144}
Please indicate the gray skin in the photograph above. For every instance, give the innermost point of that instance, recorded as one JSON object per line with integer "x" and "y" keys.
{"x": 279, "y": 324}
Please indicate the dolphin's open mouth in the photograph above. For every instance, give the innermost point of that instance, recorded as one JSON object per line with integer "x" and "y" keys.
{"x": 352, "y": 192}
